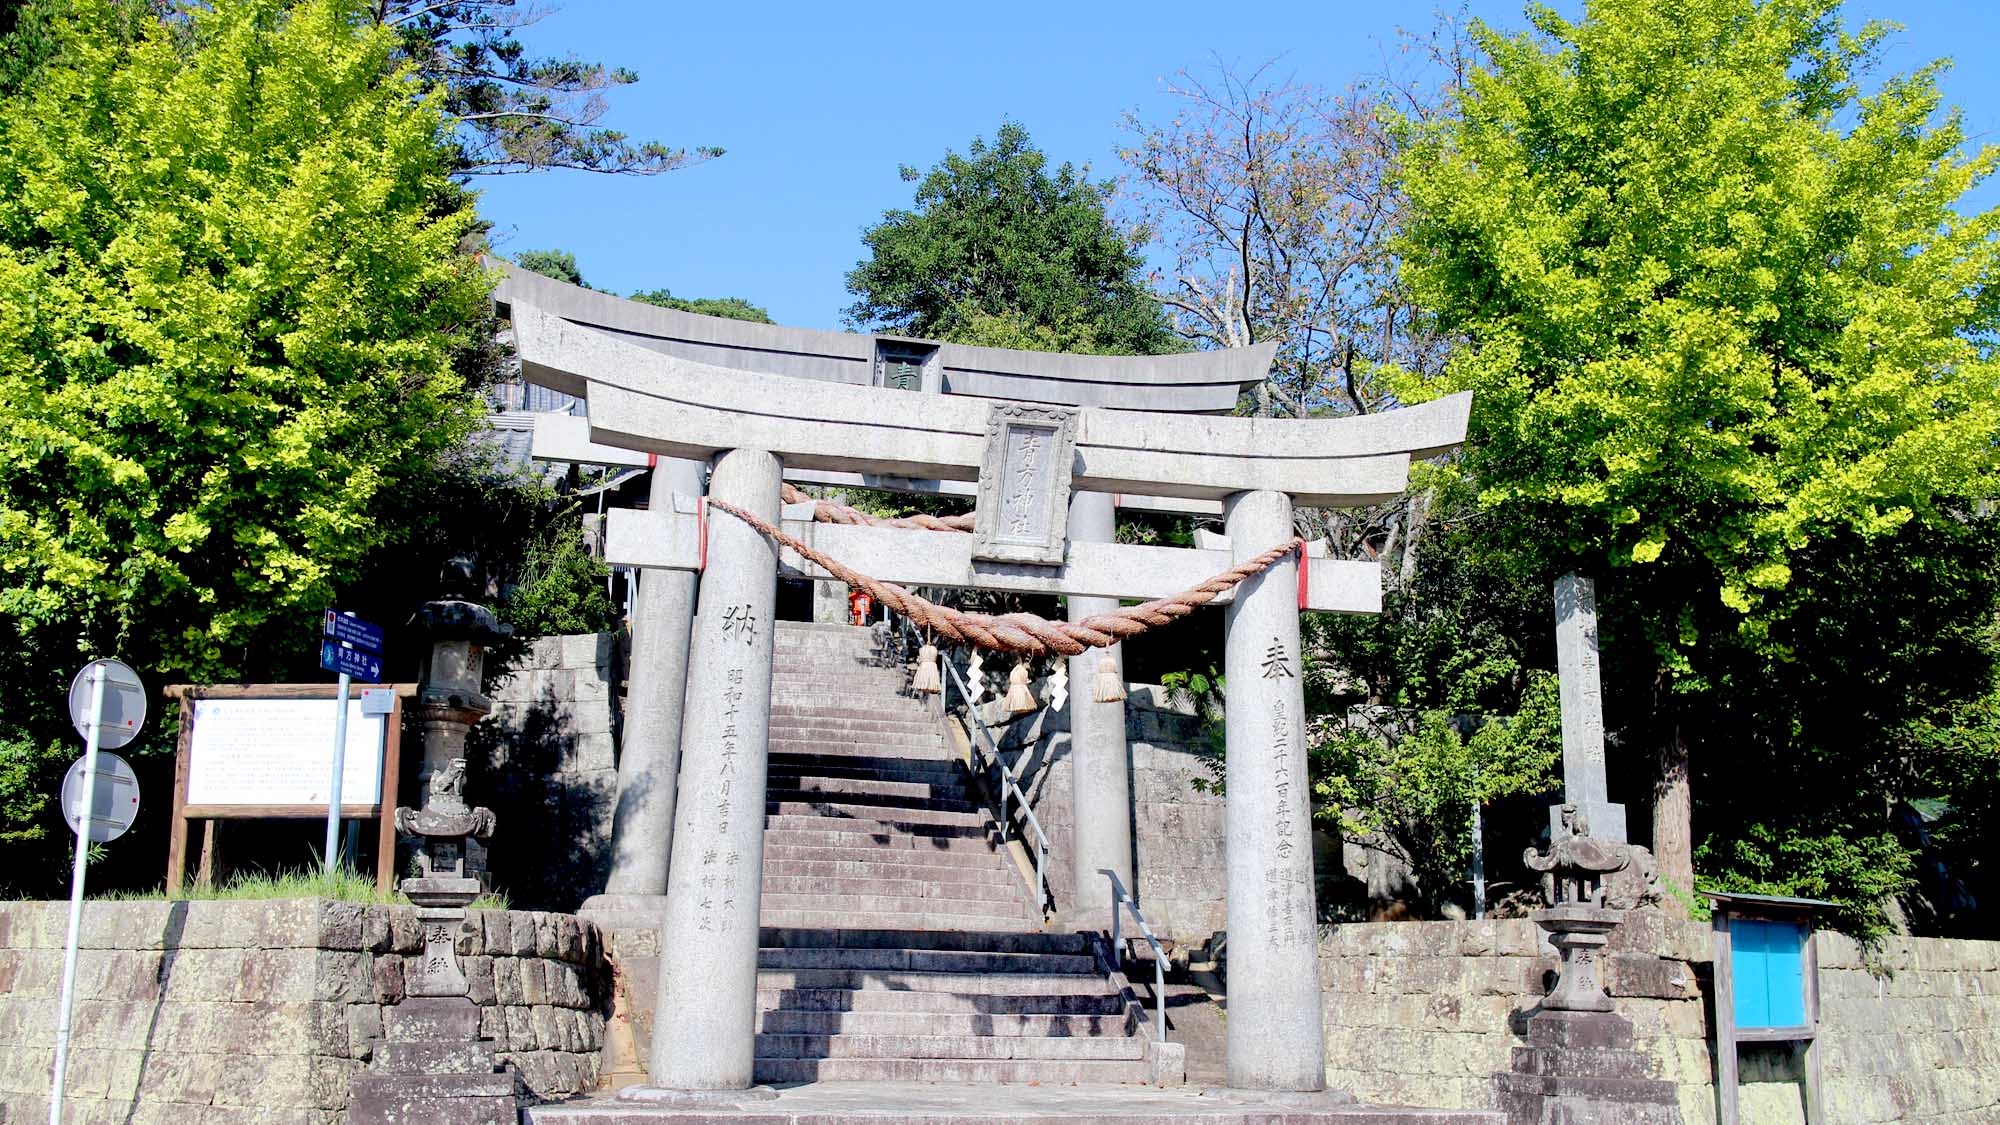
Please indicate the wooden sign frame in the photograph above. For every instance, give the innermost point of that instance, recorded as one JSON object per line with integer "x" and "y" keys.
{"x": 384, "y": 812}
{"x": 1728, "y": 909}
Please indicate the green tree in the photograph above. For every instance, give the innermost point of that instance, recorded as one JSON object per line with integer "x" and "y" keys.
{"x": 240, "y": 318}
{"x": 998, "y": 251}
{"x": 735, "y": 308}
{"x": 558, "y": 264}
{"x": 1724, "y": 325}
{"x": 561, "y": 265}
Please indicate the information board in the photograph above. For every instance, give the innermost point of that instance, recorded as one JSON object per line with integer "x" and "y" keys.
{"x": 280, "y": 752}
{"x": 252, "y": 751}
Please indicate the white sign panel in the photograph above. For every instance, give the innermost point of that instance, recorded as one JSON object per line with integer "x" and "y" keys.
{"x": 280, "y": 752}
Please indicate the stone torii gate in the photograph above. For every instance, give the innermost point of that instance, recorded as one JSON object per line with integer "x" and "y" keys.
{"x": 649, "y": 758}
{"x": 1029, "y": 461}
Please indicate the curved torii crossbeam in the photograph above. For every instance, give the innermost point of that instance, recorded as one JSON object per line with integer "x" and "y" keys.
{"x": 647, "y": 400}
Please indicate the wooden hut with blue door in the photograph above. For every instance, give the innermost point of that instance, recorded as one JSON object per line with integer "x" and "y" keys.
{"x": 1766, "y": 988}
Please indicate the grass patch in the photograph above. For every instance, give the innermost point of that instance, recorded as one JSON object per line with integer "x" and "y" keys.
{"x": 340, "y": 885}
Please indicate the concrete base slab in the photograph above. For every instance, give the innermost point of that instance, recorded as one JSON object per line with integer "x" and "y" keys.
{"x": 624, "y": 912}
{"x": 667, "y": 1098}
{"x": 876, "y": 1103}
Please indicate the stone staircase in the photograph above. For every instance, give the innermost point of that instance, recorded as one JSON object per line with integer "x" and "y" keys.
{"x": 900, "y": 940}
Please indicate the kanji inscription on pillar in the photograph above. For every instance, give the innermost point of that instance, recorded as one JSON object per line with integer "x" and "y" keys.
{"x": 1023, "y": 514}
{"x": 721, "y": 877}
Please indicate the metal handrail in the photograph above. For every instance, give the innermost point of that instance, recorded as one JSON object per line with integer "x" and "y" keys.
{"x": 1009, "y": 783}
{"x": 1009, "y": 786}
{"x": 1119, "y": 896}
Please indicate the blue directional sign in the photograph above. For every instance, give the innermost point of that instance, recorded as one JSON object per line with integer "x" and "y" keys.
{"x": 353, "y": 631}
{"x": 337, "y": 657}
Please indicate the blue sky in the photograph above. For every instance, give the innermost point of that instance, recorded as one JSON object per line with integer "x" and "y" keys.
{"x": 818, "y": 104}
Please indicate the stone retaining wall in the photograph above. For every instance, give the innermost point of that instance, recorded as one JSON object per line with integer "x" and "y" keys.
{"x": 1178, "y": 829}
{"x": 192, "y": 1012}
{"x": 1424, "y": 1013}
{"x": 547, "y": 764}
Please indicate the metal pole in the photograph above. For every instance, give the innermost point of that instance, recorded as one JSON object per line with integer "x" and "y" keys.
{"x": 1478, "y": 861}
{"x": 76, "y": 891}
{"x": 341, "y": 763}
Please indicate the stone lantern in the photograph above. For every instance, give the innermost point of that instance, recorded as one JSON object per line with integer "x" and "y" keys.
{"x": 432, "y": 1064}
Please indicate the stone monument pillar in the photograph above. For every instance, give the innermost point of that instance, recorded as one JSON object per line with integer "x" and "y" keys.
{"x": 708, "y": 962}
{"x": 1100, "y": 762}
{"x": 649, "y": 756}
{"x": 1582, "y": 713}
{"x": 1275, "y": 1042}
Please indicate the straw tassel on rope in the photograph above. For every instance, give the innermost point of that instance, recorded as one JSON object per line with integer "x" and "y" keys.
{"x": 1108, "y": 686}
{"x": 927, "y": 681}
{"x": 1020, "y": 698}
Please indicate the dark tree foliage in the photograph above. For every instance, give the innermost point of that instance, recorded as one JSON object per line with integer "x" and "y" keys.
{"x": 561, "y": 265}
{"x": 997, "y": 250}
{"x": 557, "y": 264}
{"x": 517, "y": 112}
{"x": 735, "y": 308}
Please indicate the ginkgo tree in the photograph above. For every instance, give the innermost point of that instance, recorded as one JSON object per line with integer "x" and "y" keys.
{"x": 1721, "y": 309}
{"x": 241, "y": 316}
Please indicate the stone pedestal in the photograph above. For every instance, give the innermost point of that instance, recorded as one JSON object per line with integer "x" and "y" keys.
{"x": 708, "y": 974}
{"x": 432, "y": 1068}
{"x": 1100, "y": 761}
{"x": 1579, "y": 932}
{"x": 650, "y": 747}
{"x": 1274, "y": 1000}
{"x": 1579, "y": 1068}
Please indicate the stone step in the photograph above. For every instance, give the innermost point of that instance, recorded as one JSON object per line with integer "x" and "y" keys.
{"x": 921, "y": 735}
{"x": 929, "y": 920}
{"x": 884, "y": 874}
{"x": 832, "y": 660}
{"x": 807, "y": 832}
{"x": 904, "y": 855}
{"x": 796, "y": 1021}
{"x": 886, "y": 690}
{"x": 891, "y": 679}
{"x": 960, "y": 984}
{"x": 997, "y": 1007}
{"x": 926, "y": 961}
{"x": 971, "y": 1046}
{"x": 849, "y": 711}
{"x": 927, "y": 779}
{"x": 869, "y": 791}
{"x": 880, "y": 767}
{"x": 871, "y": 906}
{"x": 834, "y": 750}
{"x": 962, "y": 890}
{"x": 857, "y": 819}
{"x": 879, "y": 806}
{"x": 1071, "y": 943}
{"x": 885, "y": 697}
{"x": 958, "y": 1071}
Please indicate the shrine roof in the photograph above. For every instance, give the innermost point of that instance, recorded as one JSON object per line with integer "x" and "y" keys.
{"x": 1207, "y": 382}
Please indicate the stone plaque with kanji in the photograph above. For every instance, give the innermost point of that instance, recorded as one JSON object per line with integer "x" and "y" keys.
{"x": 1024, "y": 484}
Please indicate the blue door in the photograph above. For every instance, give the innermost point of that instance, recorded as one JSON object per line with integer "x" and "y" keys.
{"x": 1767, "y": 960}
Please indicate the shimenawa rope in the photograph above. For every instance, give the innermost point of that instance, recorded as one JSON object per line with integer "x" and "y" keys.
{"x": 1023, "y": 633}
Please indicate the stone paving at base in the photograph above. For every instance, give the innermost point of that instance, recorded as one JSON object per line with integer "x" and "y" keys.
{"x": 876, "y": 1103}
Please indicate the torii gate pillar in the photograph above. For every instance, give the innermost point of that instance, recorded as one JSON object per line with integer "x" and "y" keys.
{"x": 1100, "y": 763}
{"x": 1275, "y": 1038}
{"x": 708, "y": 961}
{"x": 642, "y": 825}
